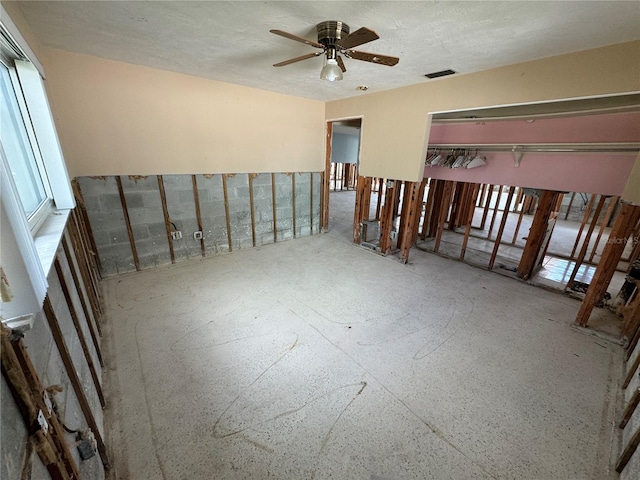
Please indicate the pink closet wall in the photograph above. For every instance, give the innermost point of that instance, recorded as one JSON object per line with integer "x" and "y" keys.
{"x": 602, "y": 173}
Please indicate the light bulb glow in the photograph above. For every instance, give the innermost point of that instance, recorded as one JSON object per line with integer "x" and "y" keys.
{"x": 331, "y": 71}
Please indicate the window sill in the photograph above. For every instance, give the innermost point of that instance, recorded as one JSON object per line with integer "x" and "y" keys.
{"x": 47, "y": 238}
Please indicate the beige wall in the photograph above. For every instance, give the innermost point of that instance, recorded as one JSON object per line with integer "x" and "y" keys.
{"x": 118, "y": 118}
{"x": 395, "y": 122}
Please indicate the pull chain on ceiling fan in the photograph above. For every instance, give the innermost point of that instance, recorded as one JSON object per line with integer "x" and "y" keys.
{"x": 335, "y": 40}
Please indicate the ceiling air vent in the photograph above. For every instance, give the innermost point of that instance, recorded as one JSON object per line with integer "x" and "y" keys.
{"x": 443, "y": 73}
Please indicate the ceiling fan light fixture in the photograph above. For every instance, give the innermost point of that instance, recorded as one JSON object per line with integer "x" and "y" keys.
{"x": 331, "y": 71}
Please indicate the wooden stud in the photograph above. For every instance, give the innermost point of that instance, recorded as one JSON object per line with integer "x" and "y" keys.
{"x": 28, "y": 393}
{"x": 127, "y": 222}
{"x": 429, "y": 209}
{"x": 622, "y": 228}
{"x": 80, "y": 255}
{"x": 361, "y": 210}
{"x": 537, "y": 234}
{"x": 167, "y": 219}
{"x": 404, "y": 211}
{"x": 630, "y": 408}
{"x": 85, "y": 308}
{"x": 566, "y": 215}
{"x": 605, "y": 221}
{"x": 79, "y": 332}
{"x": 379, "y": 201}
{"x": 196, "y": 201}
{"x": 75, "y": 379}
{"x": 495, "y": 212}
{"x": 486, "y": 206}
{"x": 311, "y": 204}
{"x": 273, "y": 202}
{"x": 503, "y": 222}
{"x": 517, "y": 230}
{"x": 481, "y": 198}
{"x": 628, "y": 451}
{"x": 635, "y": 252}
{"x": 226, "y": 210}
{"x": 293, "y": 202}
{"x": 467, "y": 229}
{"x": 92, "y": 268}
{"x": 386, "y": 218}
{"x": 443, "y": 211}
{"x": 324, "y": 219}
{"x": 585, "y": 218}
{"x": 421, "y": 213}
{"x": 85, "y": 220}
{"x": 412, "y": 199}
{"x": 585, "y": 244}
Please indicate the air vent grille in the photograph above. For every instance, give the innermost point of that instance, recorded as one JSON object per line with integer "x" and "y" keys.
{"x": 442, "y": 73}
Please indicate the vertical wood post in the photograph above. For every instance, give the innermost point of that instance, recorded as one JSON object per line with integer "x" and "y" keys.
{"x": 196, "y": 201}
{"x": 585, "y": 218}
{"x": 414, "y": 210}
{"x": 585, "y": 244}
{"x": 75, "y": 379}
{"x": 324, "y": 217}
{"x": 443, "y": 210}
{"x": 503, "y": 222}
{"x": 226, "y": 210}
{"x": 386, "y": 218}
{"x": 127, "y": 221}
{"x": 167, "y": 219}
{"x": 273, "y": 204}
{"x": 535, "y": 239}
{"x": 622, "y": 228}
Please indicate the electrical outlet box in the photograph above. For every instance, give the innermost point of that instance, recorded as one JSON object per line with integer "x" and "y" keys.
{"x": 176, "y": 234}
{"x": 393, "y": 234}
{"x": 197, "y": 235}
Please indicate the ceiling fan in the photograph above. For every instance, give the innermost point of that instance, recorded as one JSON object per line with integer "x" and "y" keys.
{"x": 335, "y": 40}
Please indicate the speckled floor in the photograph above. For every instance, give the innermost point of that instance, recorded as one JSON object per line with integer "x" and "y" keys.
{"x": 316, "y": 359}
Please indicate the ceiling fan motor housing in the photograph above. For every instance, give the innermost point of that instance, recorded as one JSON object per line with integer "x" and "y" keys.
{"x": 331, "y": 31}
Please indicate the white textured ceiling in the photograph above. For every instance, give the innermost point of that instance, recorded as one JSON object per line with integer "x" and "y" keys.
{"x": 230, "y": 41}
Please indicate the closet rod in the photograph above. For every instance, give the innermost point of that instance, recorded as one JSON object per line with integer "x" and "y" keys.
{"x": 627, "y": 147}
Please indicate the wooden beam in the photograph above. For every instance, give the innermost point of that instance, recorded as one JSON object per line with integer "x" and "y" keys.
{"x": 75, "y": 379}
{"x": 630, "y": 408}
{"x": 537, "y": 234}
{"x": 273, "y": 204}
{"x": 83, "y": 341}
{"x": 83, "y": 303}
{"x": 226, "y": 210}
{"x": 127, "y": 222}
{"x": 311, "y": 203}
{"x": 585, "y": 218}
{"x": 503, "y": 222}
{"x": 622, "y": 228}
{"x": 358, "y": 213}
{"x": 92, "y": 268}
{"x": 413, "y": 211}
{"x": 628, "y": 451}
{"x": 404, "y": 212}
{"x": 420, "y": 213}
{"x": 196, "y": 201}
{"x": 293, "y": 202}
{"x": 429, "y": 209}
{"x": 386, "y": 219}
{"x": 28, "y": 393}
{"x": 379, "y": 201}
{"x": 167, "y": 219}
{"x": 585, "y": 244}
{"x": 566, "y": 215}
{"x": 486, "y": 206}
{"x": 324, "y": 218}
{"x": 87, "y": 280}
{"x": 605, "y": 221}
{"x": 443, "y": 209}
{"x": 85, "y": 219}
{"x": 517, "y": 230}
{"x": 495, "y": 212}
{"x": 467, "y": 229}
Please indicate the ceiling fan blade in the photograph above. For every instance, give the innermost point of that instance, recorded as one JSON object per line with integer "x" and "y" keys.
{"x": 291, "y": 36}
{"x": 373, "y": 57}
{"x": 297, "y": 59}
{"x": 359, "y": 37}
{"x": 341, "y": 64}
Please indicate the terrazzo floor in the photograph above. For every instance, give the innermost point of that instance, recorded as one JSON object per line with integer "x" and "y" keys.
{"x": 316, "y": 359}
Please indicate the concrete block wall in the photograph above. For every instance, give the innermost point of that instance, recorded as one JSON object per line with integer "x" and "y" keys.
{"x": 225, "y": 226}
{"x": 17, "y": 458}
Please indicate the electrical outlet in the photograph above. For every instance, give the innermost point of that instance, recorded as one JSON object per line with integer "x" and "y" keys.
{"x": 197, "y": 235}
{"x": 393, "y": 234}
{"x": 176, "y": 234}
{"x": 43, "y": 422}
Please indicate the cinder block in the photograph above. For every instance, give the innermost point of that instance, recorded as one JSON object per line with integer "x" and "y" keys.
{"x": 120, "y": 235}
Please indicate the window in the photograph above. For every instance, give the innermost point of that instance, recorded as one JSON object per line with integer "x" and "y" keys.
{"x": 21, "y": 150}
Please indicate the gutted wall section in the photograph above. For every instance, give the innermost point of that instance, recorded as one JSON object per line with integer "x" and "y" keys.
{"x": 140, "y": 222}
